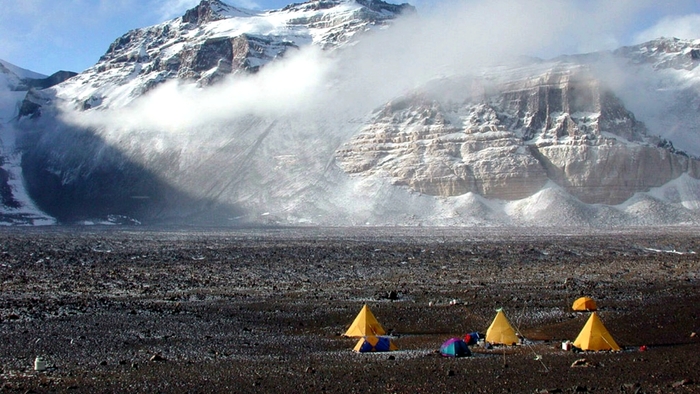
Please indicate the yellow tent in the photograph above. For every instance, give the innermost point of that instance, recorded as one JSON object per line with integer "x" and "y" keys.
{"x": 365, "y": 324}
{"x": 500, "y": 331}
{"x": 594, "y": 336}
{"x": 373, "y": 343}
{"x": 584, "y": 304}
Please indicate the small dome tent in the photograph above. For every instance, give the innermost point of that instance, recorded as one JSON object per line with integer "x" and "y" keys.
{"x": 455, "y": 347}
{"x": 584, "y": 304}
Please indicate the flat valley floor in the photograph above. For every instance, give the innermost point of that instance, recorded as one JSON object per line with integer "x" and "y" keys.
{"x": 207, "y": 310}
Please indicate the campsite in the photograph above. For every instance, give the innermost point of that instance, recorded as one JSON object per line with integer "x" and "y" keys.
{"x": 208, "y": 310}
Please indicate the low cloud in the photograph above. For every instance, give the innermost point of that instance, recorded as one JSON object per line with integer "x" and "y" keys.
{"x": 170, "y": 9}
{"x": 454, "y": 38}
{"x": 248, "y": 4}
{"x": 293, "y": 85}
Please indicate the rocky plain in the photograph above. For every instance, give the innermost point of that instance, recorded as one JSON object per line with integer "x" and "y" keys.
{"x": 131, "y": 309}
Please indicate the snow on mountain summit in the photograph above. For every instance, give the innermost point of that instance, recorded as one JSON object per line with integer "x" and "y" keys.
{"x": 664, "y": 53}
{"x": 20, "y": 72}
{"x": 213, "y": 40}
{"x": 212, "y": 10}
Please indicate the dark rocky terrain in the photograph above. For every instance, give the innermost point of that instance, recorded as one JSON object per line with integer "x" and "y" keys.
{"x": 139, "y": 310}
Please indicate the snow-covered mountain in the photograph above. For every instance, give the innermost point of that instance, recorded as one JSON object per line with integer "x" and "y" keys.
{"x": 16, "y": 207}
{"x": 214, "y": 40}
{"x": 205, "y": 119}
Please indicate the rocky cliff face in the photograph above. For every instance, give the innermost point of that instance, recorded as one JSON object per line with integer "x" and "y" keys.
{"x": 505, "y": 137}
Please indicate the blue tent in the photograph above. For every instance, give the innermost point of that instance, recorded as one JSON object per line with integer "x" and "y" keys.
{"x": 455, "y": 347}
{"x": 373, "y": 343}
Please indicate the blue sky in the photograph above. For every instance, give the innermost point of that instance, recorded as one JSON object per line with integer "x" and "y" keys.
{"x": 50, "y": 35}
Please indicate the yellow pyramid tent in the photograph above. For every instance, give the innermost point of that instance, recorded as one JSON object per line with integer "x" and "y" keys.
{"x": 594, "y": 336}
{"x": 365, "y": 324}
{"x": 500, "y": 331}
{"x": 584, "y": 304}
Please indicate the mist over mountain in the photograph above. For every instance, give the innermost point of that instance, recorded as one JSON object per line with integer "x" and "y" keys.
{"x": 355, "y": 112}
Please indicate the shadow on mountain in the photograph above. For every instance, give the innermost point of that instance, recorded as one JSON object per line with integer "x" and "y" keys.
{"x": 75, "y": 175}
{"x": 7, "y": 199}
{"x": 43, "y": 83}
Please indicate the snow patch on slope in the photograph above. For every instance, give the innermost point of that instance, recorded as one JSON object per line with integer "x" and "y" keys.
{"x": 373, "y": 201}
{"x": 25, "y": 212}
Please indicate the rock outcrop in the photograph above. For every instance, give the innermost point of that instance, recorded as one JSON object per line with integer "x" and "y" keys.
{"x": 52, "y": 80}
{"x": 505, "y": 138}
{"x": 210, "y": 10}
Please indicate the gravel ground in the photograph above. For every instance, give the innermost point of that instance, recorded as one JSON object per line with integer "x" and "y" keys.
{"x": 163, "y": 310}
